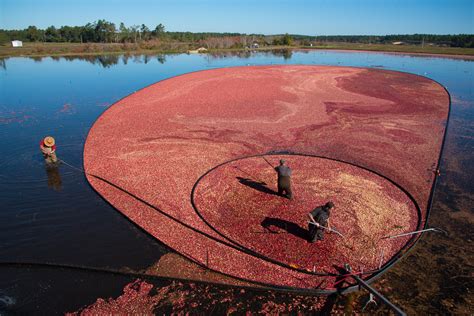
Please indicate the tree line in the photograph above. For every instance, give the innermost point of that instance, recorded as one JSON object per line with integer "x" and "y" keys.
{"x": 457, "y": 40}
{"x": 102, "y": 31}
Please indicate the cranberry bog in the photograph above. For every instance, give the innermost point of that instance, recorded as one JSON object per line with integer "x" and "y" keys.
{"x": 189, "y": 160}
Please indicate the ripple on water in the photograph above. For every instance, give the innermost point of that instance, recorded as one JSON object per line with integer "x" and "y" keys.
{"x": 25, "y": 165}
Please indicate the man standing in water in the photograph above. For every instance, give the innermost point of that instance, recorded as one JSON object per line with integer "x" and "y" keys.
{"x": 284, "y": 181}
{"x": 319, "y": 218}
{"x": 48, "y": 148}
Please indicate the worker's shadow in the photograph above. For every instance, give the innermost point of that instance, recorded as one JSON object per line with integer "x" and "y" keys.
{"x": 289, "y": 227}
{"x": 256, "y": 185}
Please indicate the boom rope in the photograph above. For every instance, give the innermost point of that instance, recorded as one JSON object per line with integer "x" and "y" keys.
{"x": 374, "y": 272}
{"x": 233, "y": 244}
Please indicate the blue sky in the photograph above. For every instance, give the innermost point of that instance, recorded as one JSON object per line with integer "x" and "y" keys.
{"x": 310, "y": 17}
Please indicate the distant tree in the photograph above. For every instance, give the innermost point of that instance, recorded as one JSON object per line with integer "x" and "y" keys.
{"x": 110, "y": 31}
{"x": 104, "y": 31}
{"x": 88, "y": 33}
{"x": 124, "y": 33}
{"x": 70, "y": 34}
{"x": 145, "y": 32}
{"x": 4, "y": 38}
{"x": 51, "y": 34}
{"x": 134, "y": 31}
{"x": 287, "y": 40}
{"x": 65, "y": 33}
{"x": 33, "y": 34}
{"x": 159, "y": 30}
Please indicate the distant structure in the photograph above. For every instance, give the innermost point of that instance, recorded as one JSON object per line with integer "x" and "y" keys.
{"x": 200, "y": 50}
{"x": 255, "y": 45}
{"x": 17, "y": 43}
{"x": 398, "y": 43}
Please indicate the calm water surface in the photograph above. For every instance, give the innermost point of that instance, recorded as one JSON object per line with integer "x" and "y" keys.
{"x": 55, "y": 216}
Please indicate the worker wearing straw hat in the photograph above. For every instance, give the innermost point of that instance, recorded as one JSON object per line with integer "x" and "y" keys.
{"x": 48, "y": 148}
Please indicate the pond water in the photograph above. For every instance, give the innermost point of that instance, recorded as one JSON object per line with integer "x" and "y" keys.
{"x": 54, "y": 216}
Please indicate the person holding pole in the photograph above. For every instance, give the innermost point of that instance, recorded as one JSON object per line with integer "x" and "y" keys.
{"x": 319, "y": 221}
{"x": 284, "y": 181}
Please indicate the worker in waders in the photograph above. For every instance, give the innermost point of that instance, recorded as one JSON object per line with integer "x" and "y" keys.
{"x": 48, "y": 148}
{"x": 284, "y": 181}
{"x": 317, "y": 218}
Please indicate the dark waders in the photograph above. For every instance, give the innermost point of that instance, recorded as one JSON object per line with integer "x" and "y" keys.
{"x": 284, "y": 187}
{"x": 315, "y": 233}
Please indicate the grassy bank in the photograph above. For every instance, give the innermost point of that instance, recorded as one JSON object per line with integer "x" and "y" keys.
{"x": 409, "y": 49}
{"x": 65, "y": 49}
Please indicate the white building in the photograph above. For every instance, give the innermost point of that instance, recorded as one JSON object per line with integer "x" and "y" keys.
{"x": 17, "y": 43}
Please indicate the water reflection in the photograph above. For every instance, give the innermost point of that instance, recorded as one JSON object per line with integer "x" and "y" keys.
{"x": 246, "y": 54}
{"x": 54, "y": 177}
{"x": 105, "y": 61}
{"x": 285, "y": 53}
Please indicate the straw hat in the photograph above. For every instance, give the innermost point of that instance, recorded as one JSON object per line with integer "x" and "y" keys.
{"x": 49, "y": 141}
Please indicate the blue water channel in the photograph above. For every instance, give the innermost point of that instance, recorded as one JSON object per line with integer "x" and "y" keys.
{"x": 55, "y": 216}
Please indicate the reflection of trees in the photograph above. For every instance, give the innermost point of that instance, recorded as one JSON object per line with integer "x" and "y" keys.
{"x": 222, "y": 55}
{"x": 104, "y": 60}
{"x": 110, "y": 60}
{"x": 285, "y": 53}
{"x": 137, "y": 59}
{"x": 161, "y": 58}
{"x": 107, "y": 61}
{"x": 3, "y": 63}
{"x": 37, "y": 59}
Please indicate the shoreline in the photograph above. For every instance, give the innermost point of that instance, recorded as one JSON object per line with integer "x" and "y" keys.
{"x": 438, "y": 55}
{"x": 101, "y": 49}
